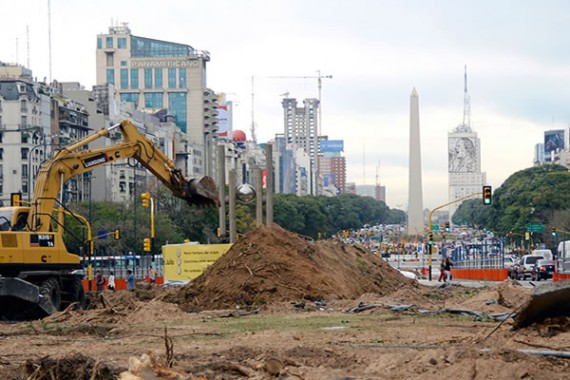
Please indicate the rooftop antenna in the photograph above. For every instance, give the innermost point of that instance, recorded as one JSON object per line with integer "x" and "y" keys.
{"x": 28, "y": 46}
{"x": 466, "y": 103}
{"x": 377, "y": 176}
{"x": 49, "y": 38}
{"x": 253, "y": 137}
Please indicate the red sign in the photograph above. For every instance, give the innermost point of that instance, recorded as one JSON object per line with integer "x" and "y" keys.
{"x": 264, "y": 178}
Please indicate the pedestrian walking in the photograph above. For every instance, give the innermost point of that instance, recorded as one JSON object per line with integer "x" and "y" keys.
{"x": 447, "y": 268}
{"x": 130, "y": 280}
{"x": 99, "y": 281}
{"x": 111, "y": 281}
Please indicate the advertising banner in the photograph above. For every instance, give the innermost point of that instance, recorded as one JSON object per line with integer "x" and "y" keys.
{"x": 332, "y": 145}
{"x": 223, "y": 121}
{"x": 183, "y": 262}
{"x": 553, "y": 142}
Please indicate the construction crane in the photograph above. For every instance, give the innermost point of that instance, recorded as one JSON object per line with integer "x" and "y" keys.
{"x": 319, "y": 78}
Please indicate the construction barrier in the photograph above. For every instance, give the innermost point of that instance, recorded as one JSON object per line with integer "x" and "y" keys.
{"x": 560, "y": 277}
{"x": 481, "y": 274}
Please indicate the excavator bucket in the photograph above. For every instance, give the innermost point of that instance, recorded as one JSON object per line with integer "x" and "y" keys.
{"x": 202, "y": 192}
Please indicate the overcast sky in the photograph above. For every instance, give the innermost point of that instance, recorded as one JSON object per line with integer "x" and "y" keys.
{"x": 517, "y": 55}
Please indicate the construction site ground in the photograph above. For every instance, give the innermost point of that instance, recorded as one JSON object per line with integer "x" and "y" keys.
{"x": 277, "y": 306}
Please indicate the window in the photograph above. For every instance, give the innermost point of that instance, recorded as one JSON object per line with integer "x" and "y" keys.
{"x": 111, "y": 76}
{"x": 130, "y": 97}
{"x": 124, "y": 79}
{"x": 157, "y": 78}
{"x": 24, "y": 171}
{"x": 99, "y": 43}
{"x": 109, "y": 42}
{"x": 148, "y": 78}
{"x": 122, "y": 43}
{"x": 134, "y": 78}
{"x": 182, "y": 78}
{"x": 110, "y": 59}
{"x": 23, "y": 106}
{"x": 1, "y": 134}
{"x": 145, "y": 47}
{"x": 25, "y": 136}
{"x": 24, "y": 121}
{"x": 153, "y": 99}
{"x": 24, "y": 152}
{"x": 171, "y": 77}
{"x": 177, "y": 106}
{"x": 1, "y": 153}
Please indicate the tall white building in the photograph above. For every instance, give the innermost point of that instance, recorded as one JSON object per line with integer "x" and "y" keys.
{"x": 301, "y": 132}
{"x": 465, "y": 176}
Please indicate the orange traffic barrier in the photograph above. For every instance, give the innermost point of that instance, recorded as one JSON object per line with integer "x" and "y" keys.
{"x": 480, "y": 274}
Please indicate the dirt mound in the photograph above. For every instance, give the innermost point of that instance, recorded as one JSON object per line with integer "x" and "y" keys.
{"x": 112, "y": 308}
{"x": 73, "y": 366}
{"x": 274, "y": 265}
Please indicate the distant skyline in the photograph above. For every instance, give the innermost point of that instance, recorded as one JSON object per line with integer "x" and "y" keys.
{"x": 376, "y": 52}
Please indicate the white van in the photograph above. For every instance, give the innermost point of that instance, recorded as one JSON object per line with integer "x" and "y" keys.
{"x": 564, "y": 248}
{"x": 546, "y": 253}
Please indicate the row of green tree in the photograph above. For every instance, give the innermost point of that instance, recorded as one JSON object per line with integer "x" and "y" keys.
{"x": 176, "y": 222}
{"x": 537, "y": 195}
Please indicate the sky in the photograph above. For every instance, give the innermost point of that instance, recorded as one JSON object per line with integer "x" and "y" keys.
{"x": 376, "y": 52}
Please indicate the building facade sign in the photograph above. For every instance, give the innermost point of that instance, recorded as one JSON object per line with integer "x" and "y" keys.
{"x": 164, "y": 63}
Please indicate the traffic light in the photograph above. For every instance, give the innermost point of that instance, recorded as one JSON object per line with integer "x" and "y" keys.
{"x": 446, "y": 226}
{"x": 15, "y": 199}
{"x": 145, "y": 199}
{"x": 146, "y": 245}
{"x": 430, "y": 238}
{"x": 117, "y": 234}
{"x": 487, "y": 195}
{"x": 553, "y": 231}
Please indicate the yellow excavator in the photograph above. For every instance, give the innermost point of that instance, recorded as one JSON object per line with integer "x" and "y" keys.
{"x": 38, "y": 276}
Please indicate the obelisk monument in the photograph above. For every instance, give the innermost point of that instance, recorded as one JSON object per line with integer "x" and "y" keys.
{"x": 415, "y": 191}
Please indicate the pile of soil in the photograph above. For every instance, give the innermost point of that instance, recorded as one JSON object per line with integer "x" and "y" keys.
{"x": 272, "y": 265}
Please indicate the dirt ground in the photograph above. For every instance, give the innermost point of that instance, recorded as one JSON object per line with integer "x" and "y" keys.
{"x": 277, "y": 306}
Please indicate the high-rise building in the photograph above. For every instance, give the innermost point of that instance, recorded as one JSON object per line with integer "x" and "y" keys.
{"x": 155, "y": 75}
{"x": 465, "y": 176}
{"x": 332, "y": 166}
{"x": 301, "y": 132}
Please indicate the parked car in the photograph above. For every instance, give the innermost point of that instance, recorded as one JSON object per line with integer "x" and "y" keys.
{"x": 542, "y": 269}
{"x": 522, "y": 269}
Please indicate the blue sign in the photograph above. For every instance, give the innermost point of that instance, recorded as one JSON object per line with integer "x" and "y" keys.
{"x": 332, "y": 146}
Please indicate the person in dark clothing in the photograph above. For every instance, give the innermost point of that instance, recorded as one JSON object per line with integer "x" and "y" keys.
{"x": 99, "y": 281}
{"x": 447, "y": 268}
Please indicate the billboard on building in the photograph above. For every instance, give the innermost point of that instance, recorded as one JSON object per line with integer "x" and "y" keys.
{"x": 463, "y": 155}
{"x": 332, "y": 146}
{"x": 553, "y": 143}
{"x": 184, "y": 262}
{"x": 223, "y": 120}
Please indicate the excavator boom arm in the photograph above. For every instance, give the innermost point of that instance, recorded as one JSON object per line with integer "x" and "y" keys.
{"x": 72, "y": 161}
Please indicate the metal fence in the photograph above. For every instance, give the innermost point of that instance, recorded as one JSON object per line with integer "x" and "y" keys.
{"x": 119, "y": 265}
